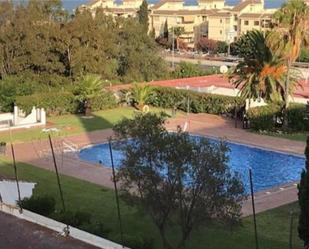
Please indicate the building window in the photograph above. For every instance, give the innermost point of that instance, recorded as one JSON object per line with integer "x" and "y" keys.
{"x": 215, "y": 6}
{"x": 220, "y": 32}
{"x": 235, "y": 18}
{"x": 256, "y": 23}
{"x": 235, "y": 27}
{"x": 220, "y": 20}
{"x": 246, "y": 23}
{"x": 204, "y": 18}
{"x": 179, "y": 20}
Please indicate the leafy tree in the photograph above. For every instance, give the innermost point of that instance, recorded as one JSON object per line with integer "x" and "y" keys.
{"x": 303, "y": 200}
{"x": 222, "y": 47}
{"x": 138, "y": 59}
{"x": 261, "y": 74}
{"x": 207, "y": 45}
{"x": 143, "y": 15}
{"x": 187, "y": 69}
{"x": 244, "y": 47}
{"x": 287, "y": 38}
{"x": 177, "y": 31}
{"x": 178, "y": 180}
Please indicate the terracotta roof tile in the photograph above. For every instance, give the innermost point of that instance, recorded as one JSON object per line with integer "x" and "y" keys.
{"x": 162, "y": 2}
{"x": 244, "y": 4}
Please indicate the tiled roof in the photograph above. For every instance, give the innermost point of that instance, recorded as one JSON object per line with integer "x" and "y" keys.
{"x": 255, "y": 15}
{"x": 162, "y": 2}
{"x": 221, "y": 14}
{"x": 183, "y": 12}
{"x": 244, "y": 4}
{"x": 121, "y": 10}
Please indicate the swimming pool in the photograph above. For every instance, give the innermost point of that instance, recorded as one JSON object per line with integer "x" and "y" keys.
{"x": 269, "y": 168}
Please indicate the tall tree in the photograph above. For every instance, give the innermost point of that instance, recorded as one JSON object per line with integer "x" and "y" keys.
{"x": 288, "y": 37}
{"x": 165, "y": 30}
{"x": 303, "y": 200}
{"x": 143, "y": 15}
{"x": 177, "y": 32}
{"x": 178, "y": 180}
{"x": 261, "y": 74}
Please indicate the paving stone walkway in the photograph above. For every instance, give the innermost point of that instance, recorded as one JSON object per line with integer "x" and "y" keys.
{"x": 38, "y": 153}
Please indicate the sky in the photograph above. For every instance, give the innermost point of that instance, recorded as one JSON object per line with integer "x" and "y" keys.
{"x": 72, "y": 4}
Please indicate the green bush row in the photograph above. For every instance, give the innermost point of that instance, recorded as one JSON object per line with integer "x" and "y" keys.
{"x": 59, "y": 103}
{"x": 54, "y": 103}
{"x": 166, "y": 97}
{"x": 266, "y": 118}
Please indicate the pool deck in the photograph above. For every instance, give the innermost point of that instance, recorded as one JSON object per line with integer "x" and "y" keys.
{"x": 38, "y": 153}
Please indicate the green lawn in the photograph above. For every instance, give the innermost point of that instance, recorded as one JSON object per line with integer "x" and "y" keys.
{"x": 273, "y": 225}
{"x": 293, "y": 136}
{"x": 74, "y": 124}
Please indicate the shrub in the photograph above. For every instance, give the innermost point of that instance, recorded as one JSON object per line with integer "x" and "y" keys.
{"x": 44, "y": 205}
{"x": 298, "y": 118}
{"x": 10, "y": 88}
{"x": 187, "y": 69}
{"x": 263, "y": 118}
{"x": 198, "y": 102}
{"x": 75, "y": 219}
{"x": 104, "y": 101}
{"x": 54, "y": 103}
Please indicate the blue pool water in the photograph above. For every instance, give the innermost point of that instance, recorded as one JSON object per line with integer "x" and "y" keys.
{"x": 269, "y": 168}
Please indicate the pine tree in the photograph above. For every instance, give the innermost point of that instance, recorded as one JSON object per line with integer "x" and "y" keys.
{"x": 143, "y": 15}
{"x": 303, "y": 200}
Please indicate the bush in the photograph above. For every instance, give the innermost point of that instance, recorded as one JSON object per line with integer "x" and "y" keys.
{"x": 198, "y": 102}
{"x": 10, "y": 88}
{"x": 54, "y": 103}
{"x": 263, "y": 118}
{"x": 187, "y": 69}
{"x": 44, "y": 205}
{"x": 105, "y": 101}
{"x": 75, "y": 219}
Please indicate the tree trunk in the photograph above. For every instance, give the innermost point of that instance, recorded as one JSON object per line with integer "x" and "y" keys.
{"x": 165, "y": 243}
{"x": 286, "y": 97}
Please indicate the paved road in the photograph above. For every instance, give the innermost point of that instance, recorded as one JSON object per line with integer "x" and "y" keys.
{"x": 20, "y": 234}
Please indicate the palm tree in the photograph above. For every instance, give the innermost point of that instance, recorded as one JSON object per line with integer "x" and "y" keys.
{"x": 89, "y": 87}
{"x": 286, "y": 40}
{"x": 140, "y": 95}
{"x": 177, "y": 32}
{"x": 260, "y": 75}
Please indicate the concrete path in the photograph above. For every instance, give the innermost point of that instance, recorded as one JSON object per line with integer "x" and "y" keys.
{"x": 202, "y": 124}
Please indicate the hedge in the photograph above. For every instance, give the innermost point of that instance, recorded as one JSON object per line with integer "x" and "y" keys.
{"x": 54, "y": 103}
{"x": 264, "y": 118}
{"x": 105, "y": 101}
{"x": 59, "y": 103}
{"x": 166, "y": 97}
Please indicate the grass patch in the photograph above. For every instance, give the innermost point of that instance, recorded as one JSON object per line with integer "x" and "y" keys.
{"x": 292, "y": 136}
{"x": 273, "y": 225}
{"x": 74, "y": 124}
